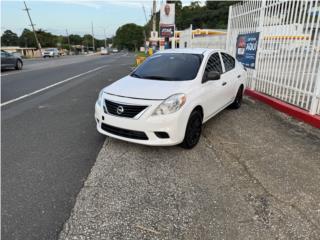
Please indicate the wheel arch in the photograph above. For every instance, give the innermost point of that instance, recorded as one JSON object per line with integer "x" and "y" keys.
{"x": 200, "y": 109}
{"x": 241, "y": 87}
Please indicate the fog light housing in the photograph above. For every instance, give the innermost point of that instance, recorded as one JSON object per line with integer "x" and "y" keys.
{"x": 161, "y": 134}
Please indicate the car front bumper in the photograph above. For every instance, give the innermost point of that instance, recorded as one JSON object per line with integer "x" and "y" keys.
{"x": 173, "y": 124}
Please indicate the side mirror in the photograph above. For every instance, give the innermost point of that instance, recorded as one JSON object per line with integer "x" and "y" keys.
{"x": 212, "y": 76}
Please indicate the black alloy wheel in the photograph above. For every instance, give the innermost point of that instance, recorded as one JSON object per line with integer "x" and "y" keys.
{"x": 193, "y": 130}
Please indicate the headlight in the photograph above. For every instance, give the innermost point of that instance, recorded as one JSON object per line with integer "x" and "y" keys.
{"x": 99, "y": 101}
{"x": 170, "y": 105}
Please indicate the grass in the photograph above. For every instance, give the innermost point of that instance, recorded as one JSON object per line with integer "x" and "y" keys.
{"x": 141, "y": 54}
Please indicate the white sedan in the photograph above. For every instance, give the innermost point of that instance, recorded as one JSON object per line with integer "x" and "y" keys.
{"x": 166, "y": 99}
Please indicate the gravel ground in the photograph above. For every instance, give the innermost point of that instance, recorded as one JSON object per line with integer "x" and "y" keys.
{"x": 254, "y": 175}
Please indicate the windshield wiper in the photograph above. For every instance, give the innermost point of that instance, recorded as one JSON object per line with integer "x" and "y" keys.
{"x": 157, "y": 77}
{"x": 135, "y": 75}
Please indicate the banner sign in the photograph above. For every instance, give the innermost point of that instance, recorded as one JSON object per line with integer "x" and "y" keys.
{"x": 154, "y": 34}
{"x": 166, "y": 31}
{"x": 167, "y": 14}
{"x": 247, "y": 45}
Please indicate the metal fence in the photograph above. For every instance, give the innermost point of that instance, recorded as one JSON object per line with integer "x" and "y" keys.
{"x": 288, "y": 55}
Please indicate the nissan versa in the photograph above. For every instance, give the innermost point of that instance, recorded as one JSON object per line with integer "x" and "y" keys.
{"x": 166, "y": 99}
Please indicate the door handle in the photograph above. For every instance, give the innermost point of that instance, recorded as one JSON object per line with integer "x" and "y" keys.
{"x": 239, "y": 76}
{"x": 224, "y": 83}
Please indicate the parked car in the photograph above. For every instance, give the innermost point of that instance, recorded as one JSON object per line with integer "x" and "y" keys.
{"x": 166, "y": 99}
{"x": 51, "y": 52}
{"x": 104, "y": 51}
{"x": 9, "y": 60}
{"x": 115, "y": 50}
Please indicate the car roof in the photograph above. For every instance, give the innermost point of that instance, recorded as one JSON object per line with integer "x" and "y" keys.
{"x": 190, "y": 50}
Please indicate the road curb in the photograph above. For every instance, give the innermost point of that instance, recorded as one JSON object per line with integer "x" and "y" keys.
{"x": 286, "y": 108}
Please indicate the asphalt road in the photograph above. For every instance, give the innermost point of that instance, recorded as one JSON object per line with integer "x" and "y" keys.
{"x": 49, "y": 141}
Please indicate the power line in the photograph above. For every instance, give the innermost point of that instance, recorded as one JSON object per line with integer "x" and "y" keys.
{"x": 32, "y": 25}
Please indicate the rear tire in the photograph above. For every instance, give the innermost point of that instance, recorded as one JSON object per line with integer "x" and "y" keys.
{"x": 238, "y": 100}
{"x": 193, "y": 130}
{"x": 18, "y": 65}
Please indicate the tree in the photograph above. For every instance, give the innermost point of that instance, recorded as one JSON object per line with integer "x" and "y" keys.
{"x": 75, "y": 39}
{"x": 26, "y": 39}
{"x": 129, "y": 36}
{"x": 87, "y": 40}
{"x": 47, "y": 39}
{"x": 9, "y": 38}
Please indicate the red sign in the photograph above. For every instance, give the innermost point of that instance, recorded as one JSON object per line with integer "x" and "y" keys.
{"x": 166, "y": 30}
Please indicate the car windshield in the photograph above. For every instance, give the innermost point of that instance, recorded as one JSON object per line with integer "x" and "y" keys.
{"x": 170, "y": 67}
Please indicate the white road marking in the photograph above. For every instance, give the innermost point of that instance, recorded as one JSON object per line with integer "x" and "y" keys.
{"x": 51, "y": 86}
{"x": 17, "y": 72}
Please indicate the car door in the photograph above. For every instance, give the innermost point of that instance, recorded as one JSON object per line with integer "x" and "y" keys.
{"x": 10, "y": 59}
{"x": 229, "y": 77}
{"x": 4, "y": 59}
{"x": 213, "y": 91}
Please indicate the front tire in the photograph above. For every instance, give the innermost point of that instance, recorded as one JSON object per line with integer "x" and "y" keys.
{"x": 18, "y": 65}
{"x": 193, "y": 130}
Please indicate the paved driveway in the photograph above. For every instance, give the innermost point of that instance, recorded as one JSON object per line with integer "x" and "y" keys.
{"x": 254, "y": 175}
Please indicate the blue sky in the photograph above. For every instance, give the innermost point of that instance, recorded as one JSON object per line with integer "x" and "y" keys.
{"x": 76, "y": 16}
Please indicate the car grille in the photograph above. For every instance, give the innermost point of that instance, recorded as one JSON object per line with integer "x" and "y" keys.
{"x": 124, "y": 132}
{"x": 123, "y": 110}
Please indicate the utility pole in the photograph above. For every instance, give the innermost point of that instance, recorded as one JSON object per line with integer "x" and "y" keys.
{"x": 92, "y": 37}
{"x": 144, "y": 31}
{"x": 68, "y": 41}
{"x": 154, "y": 20}
{"x": 32, "y": 25}
{"x": 105, "y": 39}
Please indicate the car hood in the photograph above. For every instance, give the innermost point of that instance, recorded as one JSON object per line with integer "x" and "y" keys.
{"x": 147, "y": 88}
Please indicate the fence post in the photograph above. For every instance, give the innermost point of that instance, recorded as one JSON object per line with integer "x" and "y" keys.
{"x": 260, "y": 29}
{"x": 315, "y": 96}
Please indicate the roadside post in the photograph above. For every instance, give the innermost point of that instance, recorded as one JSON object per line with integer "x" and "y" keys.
{"x": 167, "y": 23}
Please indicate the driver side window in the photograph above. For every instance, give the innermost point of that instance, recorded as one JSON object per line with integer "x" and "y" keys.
{"x": 214, "y": 64}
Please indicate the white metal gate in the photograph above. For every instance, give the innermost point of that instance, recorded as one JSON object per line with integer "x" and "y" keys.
{"x": 288, "y": 56}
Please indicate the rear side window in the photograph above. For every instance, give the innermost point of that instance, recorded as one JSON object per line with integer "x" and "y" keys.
{"x": 214, "y": 64}
{"x": 229, "y": 62}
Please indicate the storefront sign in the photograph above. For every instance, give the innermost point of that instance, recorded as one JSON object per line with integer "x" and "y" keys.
{"x": 166, "y": 31}
{"x": 247, "y": 45}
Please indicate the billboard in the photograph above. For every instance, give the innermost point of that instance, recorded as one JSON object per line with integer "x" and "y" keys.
{"x": 247, "y": 45}
{"x": 167, "y": 14}
{"x": 166, "y": 30}
{"x": 154, "y": 35}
